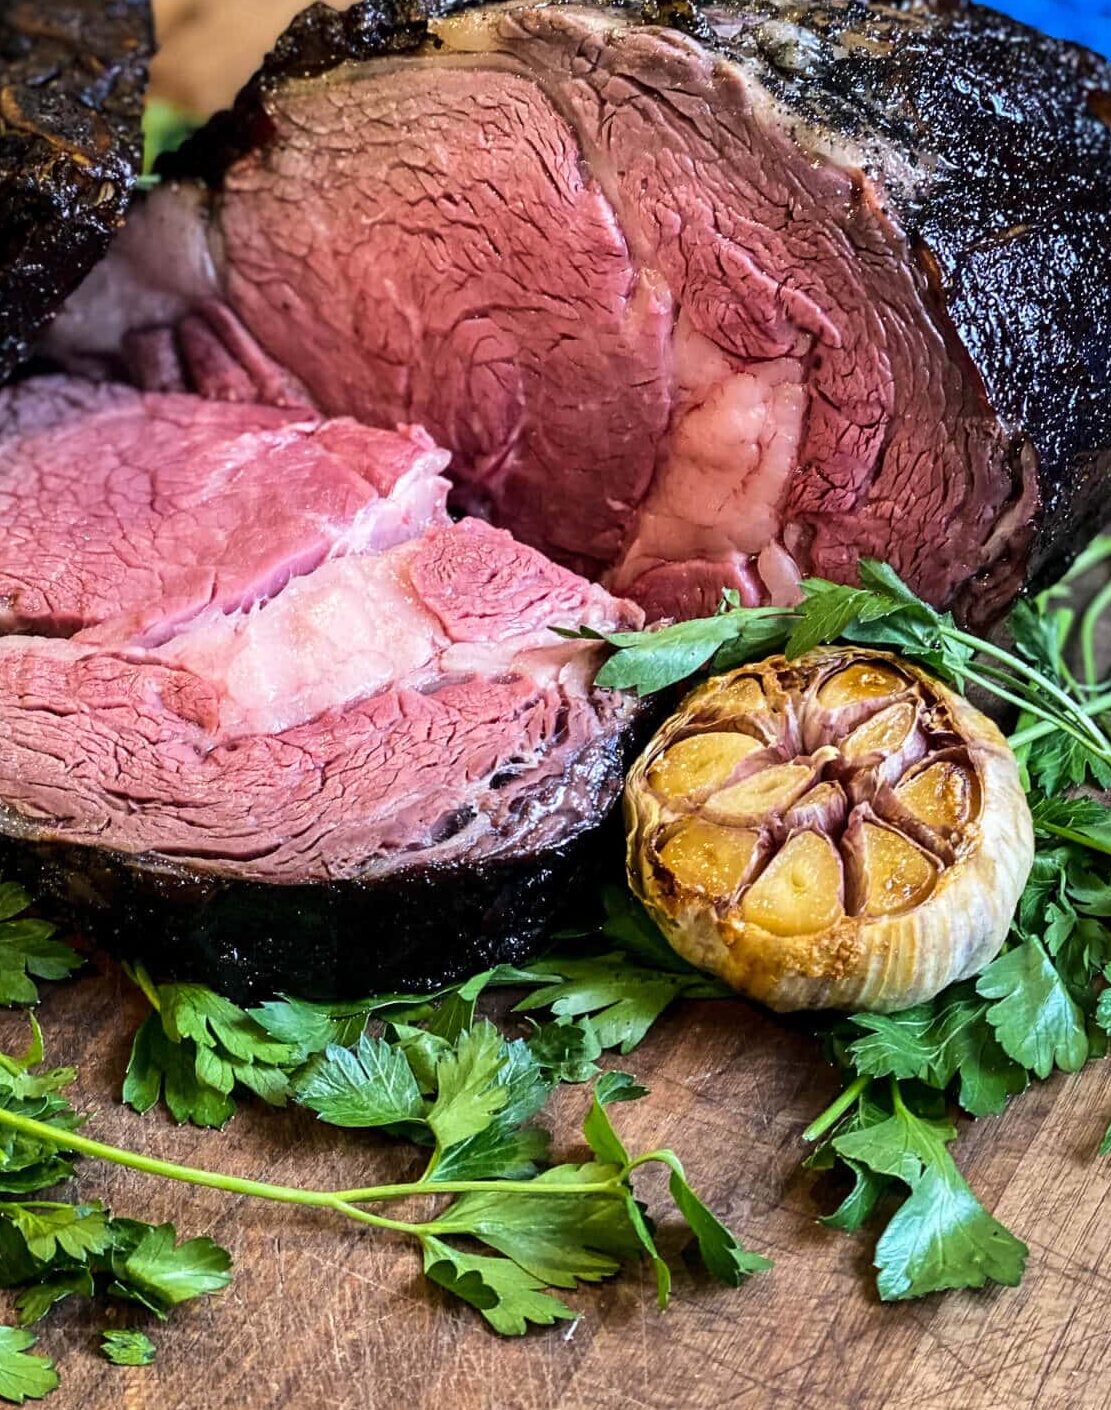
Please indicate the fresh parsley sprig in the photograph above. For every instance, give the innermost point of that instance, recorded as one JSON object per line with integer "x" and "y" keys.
{"x": 197, "y": 1050}
{"x": 29, "y": 949}
{"x": 567, "y": 1223}
{"x": 51, "y": 1250}
{"x": 882, "y": 611}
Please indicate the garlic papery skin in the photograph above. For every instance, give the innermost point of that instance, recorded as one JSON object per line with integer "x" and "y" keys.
{"x": 868, "y": 848}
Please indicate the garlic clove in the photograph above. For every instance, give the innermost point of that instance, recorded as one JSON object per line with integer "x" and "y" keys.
{"x": 823, "y": 809}
{"x": 701, "y": 762}
{"x": 707, "y": 858}
{"x": 767, "y": 792}
{"x": 883, "y": 733}
{"x": 860, "y": 682}
{"x": 942, "y": 795}
{"x": 884, "y": 747}
{"x": 891, "y": 874}
{"x": 800, "y": 891}
{"x": 745, "y": 695}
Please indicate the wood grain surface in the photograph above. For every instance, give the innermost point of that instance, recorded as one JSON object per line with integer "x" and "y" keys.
{"x": 322, "y": 1314}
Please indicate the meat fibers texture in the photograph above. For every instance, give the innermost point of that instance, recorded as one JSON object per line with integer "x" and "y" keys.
{"x": 697, "y": 296}
{"x": 247, "y": 650}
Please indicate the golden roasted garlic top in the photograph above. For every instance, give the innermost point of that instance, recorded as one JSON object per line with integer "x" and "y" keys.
{"x": 837, "y": 831}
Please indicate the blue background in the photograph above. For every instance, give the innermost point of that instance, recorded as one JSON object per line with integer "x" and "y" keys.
{"x": 1088, "y": 21}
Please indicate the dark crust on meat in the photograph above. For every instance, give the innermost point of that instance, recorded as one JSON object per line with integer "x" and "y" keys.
{"x": 1011, "y": 133}
{"x": 72, "y": 78}
{"x": 417, "y": 930}
{"x": 1005, "y": 191}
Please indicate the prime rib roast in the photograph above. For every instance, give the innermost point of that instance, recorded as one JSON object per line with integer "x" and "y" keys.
{"x": 696, "y": 295}
{"x": 692, "y": 297}
{"x": 271, "y": 706}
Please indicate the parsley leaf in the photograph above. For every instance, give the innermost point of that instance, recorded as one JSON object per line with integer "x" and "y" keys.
{"x": 37, "y": 1300}
{"x": 561, "y": 1239}
{"x": 941, "y": 1237}
{"x": 128, "y": 1348}
{"x": 1037, "y": 1021}
{"x": 160, "y": 1067}
{"x": 623, "y": 991}
{"x": 311, "y": 1026}
{"x": 602, "y": 1139}
{"x": 936, "y": 1042}
{"x": 468, "y": 1095}
{"x": 27, "y": 948}
{"x": 828, "y": 608}
{"x": 74, "y": 1229}
{"x": 724, "y": 1256}
{"x": 372, "y": 1086}
{"x": 507, "y": 1296}
{"x": 22, "y": 1376}
{"x": 197, "y": 1050}
{"x": 149, "y": 1267}
{"x": 507, "y": 1147}
{"x": 868, "y": 1184}
{"x": 1083, "y": 820}
{"x": 567, "y": 1051}
{"x": 650, "y": 661}
{"x": 26, "y": 1163}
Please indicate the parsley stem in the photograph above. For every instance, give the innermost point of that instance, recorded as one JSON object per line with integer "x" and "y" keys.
{"x": 1032, "y": 733}
{"x": 193, "y": 1175}
{"x": 998, "y": 681}
{"x": 836, "y": 1109}
{"x": 665, "y": 1157}
{"x": 1054, "y": 691}
{"x": 139, "y": 977}
{"x": 1083, "y": 839}
{"x": 1088, "y": 626}
{"x": 466, "y": 1187}
{"x": 342, "y": 1201}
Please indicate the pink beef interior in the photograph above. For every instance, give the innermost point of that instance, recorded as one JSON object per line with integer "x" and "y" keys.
{"x": 664, "y": 343}
{"x": 245, "y": 636}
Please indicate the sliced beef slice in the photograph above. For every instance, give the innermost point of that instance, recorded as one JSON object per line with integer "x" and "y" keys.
{"x": 72, "y": 77}
{"x": 131, "y": 514}
{"x": 691, "y": 309}
{"x": 271, "y": 662}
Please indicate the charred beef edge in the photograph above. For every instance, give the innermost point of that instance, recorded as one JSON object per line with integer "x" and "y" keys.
{"x": 73, "y": 74}
{"x": 1074, "y": 446}
{"x": 417, "y": 929}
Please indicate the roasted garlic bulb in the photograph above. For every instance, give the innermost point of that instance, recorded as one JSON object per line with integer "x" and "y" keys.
{"x": 839, "y": 831}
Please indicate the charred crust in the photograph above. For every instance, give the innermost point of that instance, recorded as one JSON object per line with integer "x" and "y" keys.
{"x": 72, "y": 78}
{"x": 320, "y": 37}
{"x": 683, "y": 15}
{"x": 417, "y": 929}
{"x": 318, "y": 40}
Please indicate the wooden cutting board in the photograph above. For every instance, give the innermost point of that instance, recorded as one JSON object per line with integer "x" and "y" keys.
{"x": 321, "y": 1314}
